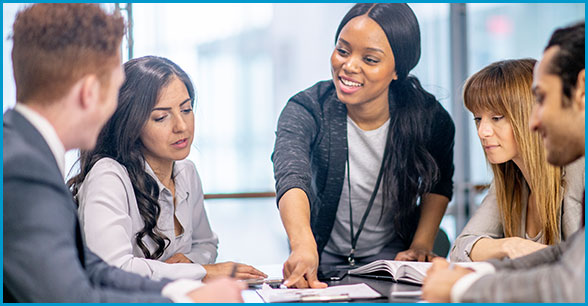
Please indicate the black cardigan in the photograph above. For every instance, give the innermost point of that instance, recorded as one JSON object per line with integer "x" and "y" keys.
{"x": 311, "y": 148}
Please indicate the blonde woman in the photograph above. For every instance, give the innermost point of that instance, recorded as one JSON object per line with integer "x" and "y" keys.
{"x": 530, "y": 204}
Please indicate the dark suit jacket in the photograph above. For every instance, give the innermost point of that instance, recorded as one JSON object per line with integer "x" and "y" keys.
{"x": 45, "y": 257}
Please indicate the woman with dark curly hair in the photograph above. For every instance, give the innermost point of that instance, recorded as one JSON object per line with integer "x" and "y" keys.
{"x": 140, "y": 201}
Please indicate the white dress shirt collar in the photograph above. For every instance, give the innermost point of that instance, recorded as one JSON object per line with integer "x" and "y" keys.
{"x": 178, "y": 179}
{"x": 47, "y": 131}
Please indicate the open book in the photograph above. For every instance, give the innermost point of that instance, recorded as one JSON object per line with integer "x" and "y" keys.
{"x": 401, "y": 271}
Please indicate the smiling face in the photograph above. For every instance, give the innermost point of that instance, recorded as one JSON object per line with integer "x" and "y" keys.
{"x": 561, "y": 127}
{"x": 169, "y": 131}
{"x": 362, "y": 63}
{"x": 496, "y": 137}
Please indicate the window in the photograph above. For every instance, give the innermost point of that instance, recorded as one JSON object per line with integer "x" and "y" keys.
{"x": 246, "y": 60}
{"x": 509, "y": 31}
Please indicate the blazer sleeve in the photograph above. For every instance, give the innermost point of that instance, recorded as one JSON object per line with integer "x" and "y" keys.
{"x": 204, "y": 240}
{"x": 41, "y": 259}
{"x": 108, "y": 226}
{"x": 485, "y": 223}
{"x": 556, "y": 274}
{"x": 102, "y": 273}
{"x": 297, "y": 128}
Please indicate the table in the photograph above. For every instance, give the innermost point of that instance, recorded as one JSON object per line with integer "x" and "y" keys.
{"x": 384, "y": 287}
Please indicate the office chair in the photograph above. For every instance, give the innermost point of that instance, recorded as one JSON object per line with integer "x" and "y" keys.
{"x": 441, "y": 245}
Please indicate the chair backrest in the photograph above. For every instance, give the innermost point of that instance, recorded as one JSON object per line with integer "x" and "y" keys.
{"x": 441, "y": 245}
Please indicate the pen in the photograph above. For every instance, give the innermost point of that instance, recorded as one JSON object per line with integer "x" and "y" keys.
{"x": 234, "y": 271}
{"x": 271, "y": 282}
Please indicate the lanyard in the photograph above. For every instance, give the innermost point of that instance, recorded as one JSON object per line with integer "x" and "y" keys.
{"x": 354, "y": 239}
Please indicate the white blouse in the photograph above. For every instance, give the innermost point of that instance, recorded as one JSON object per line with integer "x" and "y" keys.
{"x": 110, "y": 219}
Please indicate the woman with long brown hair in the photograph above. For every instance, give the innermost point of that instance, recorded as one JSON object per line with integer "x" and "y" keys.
{"x": 141, "y": 203}
{"x": 530, "y": 203}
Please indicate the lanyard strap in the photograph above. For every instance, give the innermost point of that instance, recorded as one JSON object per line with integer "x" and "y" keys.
{"x": 355, "y": 238}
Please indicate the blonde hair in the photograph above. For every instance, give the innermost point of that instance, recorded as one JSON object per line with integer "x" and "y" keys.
{"x": 504, "y": 88}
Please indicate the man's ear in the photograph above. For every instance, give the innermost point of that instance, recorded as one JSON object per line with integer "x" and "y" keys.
{"x": 580, "y": 90}
{"x": 89, "y": 91}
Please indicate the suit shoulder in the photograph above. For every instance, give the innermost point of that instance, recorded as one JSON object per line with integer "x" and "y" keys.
{"x": 21, "y": 158}
{"x": 574, "y": 172}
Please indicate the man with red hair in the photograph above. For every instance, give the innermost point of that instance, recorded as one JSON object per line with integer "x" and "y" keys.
{"x": 67, "y": 69}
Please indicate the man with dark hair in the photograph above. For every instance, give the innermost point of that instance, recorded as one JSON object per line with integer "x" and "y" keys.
{"x": 555, "y": 273}
{"x": 560, "y": 76}
{"x": 67, "y": 68}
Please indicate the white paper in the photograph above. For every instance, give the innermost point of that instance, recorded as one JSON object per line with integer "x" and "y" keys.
{"x": 406, "y": 293}
{"x": 356, "y": 291}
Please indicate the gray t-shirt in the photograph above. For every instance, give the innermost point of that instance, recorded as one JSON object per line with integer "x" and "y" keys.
{"x": 366, "y": 150}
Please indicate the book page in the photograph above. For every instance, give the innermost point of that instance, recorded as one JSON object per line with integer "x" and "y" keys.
{"x": 389, "y": 266}
{"x": 408, "y": 271}
{"x": 398, "y": 269}
{"x": 413, "y": 271}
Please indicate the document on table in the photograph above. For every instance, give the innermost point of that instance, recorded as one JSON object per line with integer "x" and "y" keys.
{"x": 334, "y": 293}
{"x": 406, "y": 293}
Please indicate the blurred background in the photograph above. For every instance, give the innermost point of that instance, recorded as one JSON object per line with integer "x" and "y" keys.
{"x": 247, "y": 60}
